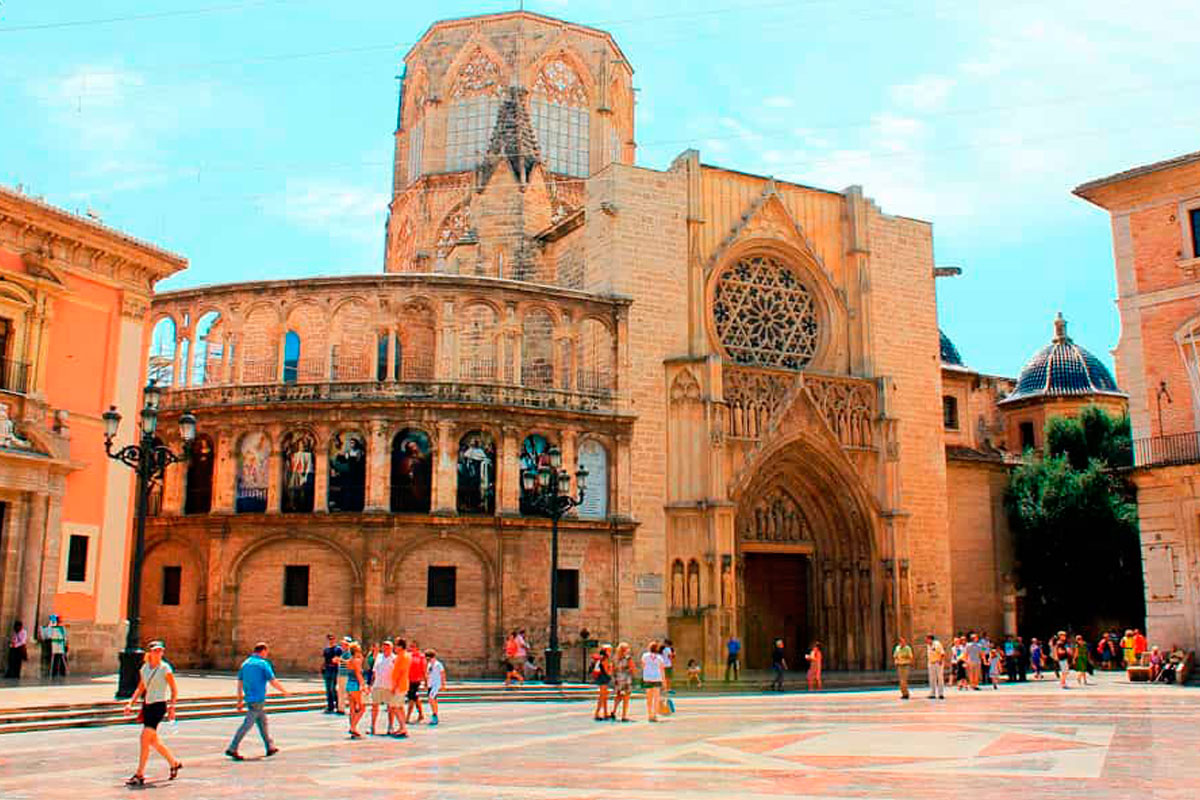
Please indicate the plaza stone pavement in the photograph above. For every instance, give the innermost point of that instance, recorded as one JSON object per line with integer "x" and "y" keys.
{"x": 1111, "y": 740}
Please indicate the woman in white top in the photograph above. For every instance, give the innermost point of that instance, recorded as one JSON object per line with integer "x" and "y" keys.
{"x": 156, "y": 681}
{"x": 652, "y": 676}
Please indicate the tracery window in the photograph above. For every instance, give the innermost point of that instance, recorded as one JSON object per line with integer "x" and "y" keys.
{"x": 559, "y": 111}
{"x": 455, "y": 227}
{"x": 475, "y": 102}
{"x": 765, "y": 315}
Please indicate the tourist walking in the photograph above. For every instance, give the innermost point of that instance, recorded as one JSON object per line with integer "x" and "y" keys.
{"x": 1062, "y": 658}
{"x": 652, "y": 675}
{"x": 400, "y": 684}
{"x": 778, "y": 665}
{"x": 56, "y": 634}
{"x": 343, "y": 674}
{"x": 435, "y": 680}
{"x": 1083, "y": 662}
{"x": 733, "y": 651}
{"x": 1128, "y": 649}
{"x": 158, "y": 692}
{"x": 354, "y": 688}
{"x": 902, "y": 656}
{"x": 381, "y": 686}
{"x": 329, "y": 673}
{"x": 958, "y": 652}
{"x": 416, "y": 677}
{"x": 602, "y": 673}
{"x": 973, "y": 655}
{"x": 623, "y": 680}
{"x": 18, "y": 650}
{"x": 255, "y": 674}
{"x": 816, "y": 665}
{"x": 1035, "y": 658}
{"x": 935, "y": 658}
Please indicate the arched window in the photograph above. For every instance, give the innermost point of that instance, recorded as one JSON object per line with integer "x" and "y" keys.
{"x": 764, "y": 315}
{"x": 206, "y": 356}
{"x": 417, "y": 343}
{"x": 477, "y": 474}
{"x": 291, "y": 357}
{"x": 455, "y": 228}
{"x": 594, "y": 458}
{"x": 474, "y": 104}
{"x": 534, "y": 455}
{"x": 1189, "y": 348}
{"x": 351, "y": 353}
{"x": 477, "y": 343}
{"x": 161, "y": 365}
{"x": 299, "y": 472}
{"x": 411, "y": 472}
{"x": 537, "y": 350}
{"x": 595, "y": 357}
{"x": 347, "y": 472}
{"x": 260, "y": 346}
{"x": 198, "y": 499}
{"x": 559, "y": 108}
{"x": 253, "y": 473}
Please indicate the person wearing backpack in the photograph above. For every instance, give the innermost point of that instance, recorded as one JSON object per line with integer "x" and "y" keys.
{"x": 602, "y": 673}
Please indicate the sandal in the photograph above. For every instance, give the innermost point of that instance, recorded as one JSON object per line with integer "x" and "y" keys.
{"x": 136, "y": 780}
{"x": 175, "y": 770}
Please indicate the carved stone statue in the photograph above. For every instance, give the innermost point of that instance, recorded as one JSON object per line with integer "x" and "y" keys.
{"x": 8, "y": 431}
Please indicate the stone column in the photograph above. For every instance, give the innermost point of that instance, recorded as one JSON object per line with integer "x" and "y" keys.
{"x": 446, "y": 368}
{"x": 378, "y": 467}
{"x": 509, "y": 473}
{"x": 622, "y": 472}
{"x": 224, "y": 471}
{"x": 33, "y": 566}
{"x": 321, "y": 467}
{"x": 174, "y": 483}
{"x": 392, "y": 338}
{"x": 444, "y": 484}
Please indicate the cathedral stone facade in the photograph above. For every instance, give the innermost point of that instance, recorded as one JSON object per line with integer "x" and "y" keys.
{"x": 749, "y": 369}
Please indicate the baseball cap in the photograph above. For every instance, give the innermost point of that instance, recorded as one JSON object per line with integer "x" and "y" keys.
{"x": 156, "y": 645}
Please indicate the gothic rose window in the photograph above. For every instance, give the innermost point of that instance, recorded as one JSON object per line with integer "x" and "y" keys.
{"x": 764, "y": 314}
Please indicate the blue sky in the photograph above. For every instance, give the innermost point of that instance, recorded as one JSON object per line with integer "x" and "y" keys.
{"x": 255, "y": 137}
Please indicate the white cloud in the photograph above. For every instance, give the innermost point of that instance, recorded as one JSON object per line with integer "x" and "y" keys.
{"x": 927, "y": 93}
{"x": 337, "y": 209}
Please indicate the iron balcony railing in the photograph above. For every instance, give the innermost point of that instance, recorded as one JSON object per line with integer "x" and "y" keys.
{"x": 1164, "y": 451}
{"x": 14, "y": 376}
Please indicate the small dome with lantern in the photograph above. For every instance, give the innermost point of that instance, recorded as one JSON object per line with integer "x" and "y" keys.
{"x": 1063, "y": 369}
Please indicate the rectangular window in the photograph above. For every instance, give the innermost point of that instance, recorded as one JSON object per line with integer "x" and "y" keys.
{"x": 950, "y": 413}
{"x": 172, "y": 576}
{"x": 295, "y": 585}
{"x": 469, "y": 131}
{"x": 568, "y": 588}
{"x": 1027, "y": 438}
{"x": 77, "y": 558}
{"x": 562, "y": 132}
{"x": 441, "y": 588}
{"x": 1194, "y": 219}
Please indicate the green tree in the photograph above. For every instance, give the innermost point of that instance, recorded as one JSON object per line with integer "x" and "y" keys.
{"x": 1074, "y": 522}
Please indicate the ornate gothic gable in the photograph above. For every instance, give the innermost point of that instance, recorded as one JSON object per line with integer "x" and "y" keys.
{"x": 768, "y": 218}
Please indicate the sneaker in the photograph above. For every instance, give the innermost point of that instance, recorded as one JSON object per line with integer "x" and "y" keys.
{"x": 234, "y": 755}
{"x": 399, "y": 735}
{"x": 272, "y": 752}
{"x": 434, "y": 720}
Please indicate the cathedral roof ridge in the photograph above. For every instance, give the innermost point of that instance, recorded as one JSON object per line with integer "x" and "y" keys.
{"x": 471, "y": 19}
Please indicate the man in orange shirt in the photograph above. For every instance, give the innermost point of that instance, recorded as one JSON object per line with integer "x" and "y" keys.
{"x": 400, "y": 684}
{"x": 1140, "y": 645}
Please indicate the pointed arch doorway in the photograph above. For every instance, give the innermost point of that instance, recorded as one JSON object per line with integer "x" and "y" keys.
{"x": 807, "y": 562}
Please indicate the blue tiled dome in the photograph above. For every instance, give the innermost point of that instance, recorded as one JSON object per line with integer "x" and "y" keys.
{"x": 1063, "y": 369}
{"x": 949, "y": 351}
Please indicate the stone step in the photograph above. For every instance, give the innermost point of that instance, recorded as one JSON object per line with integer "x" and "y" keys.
{"x": 112, "y": 712}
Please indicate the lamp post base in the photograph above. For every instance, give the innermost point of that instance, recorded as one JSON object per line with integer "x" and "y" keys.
{"x": 131, "y": 667}
{"x": 553, "y": 666}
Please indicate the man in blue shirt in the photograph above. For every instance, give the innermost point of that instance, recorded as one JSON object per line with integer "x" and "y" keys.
{"x": 253, "y": 677}
{"x": 329, "y": 672}
{"x": 734, "y": 648}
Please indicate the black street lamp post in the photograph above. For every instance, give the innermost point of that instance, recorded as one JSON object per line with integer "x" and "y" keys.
{"x": 148, "y": 461}
{"x": 548, "y": 493}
